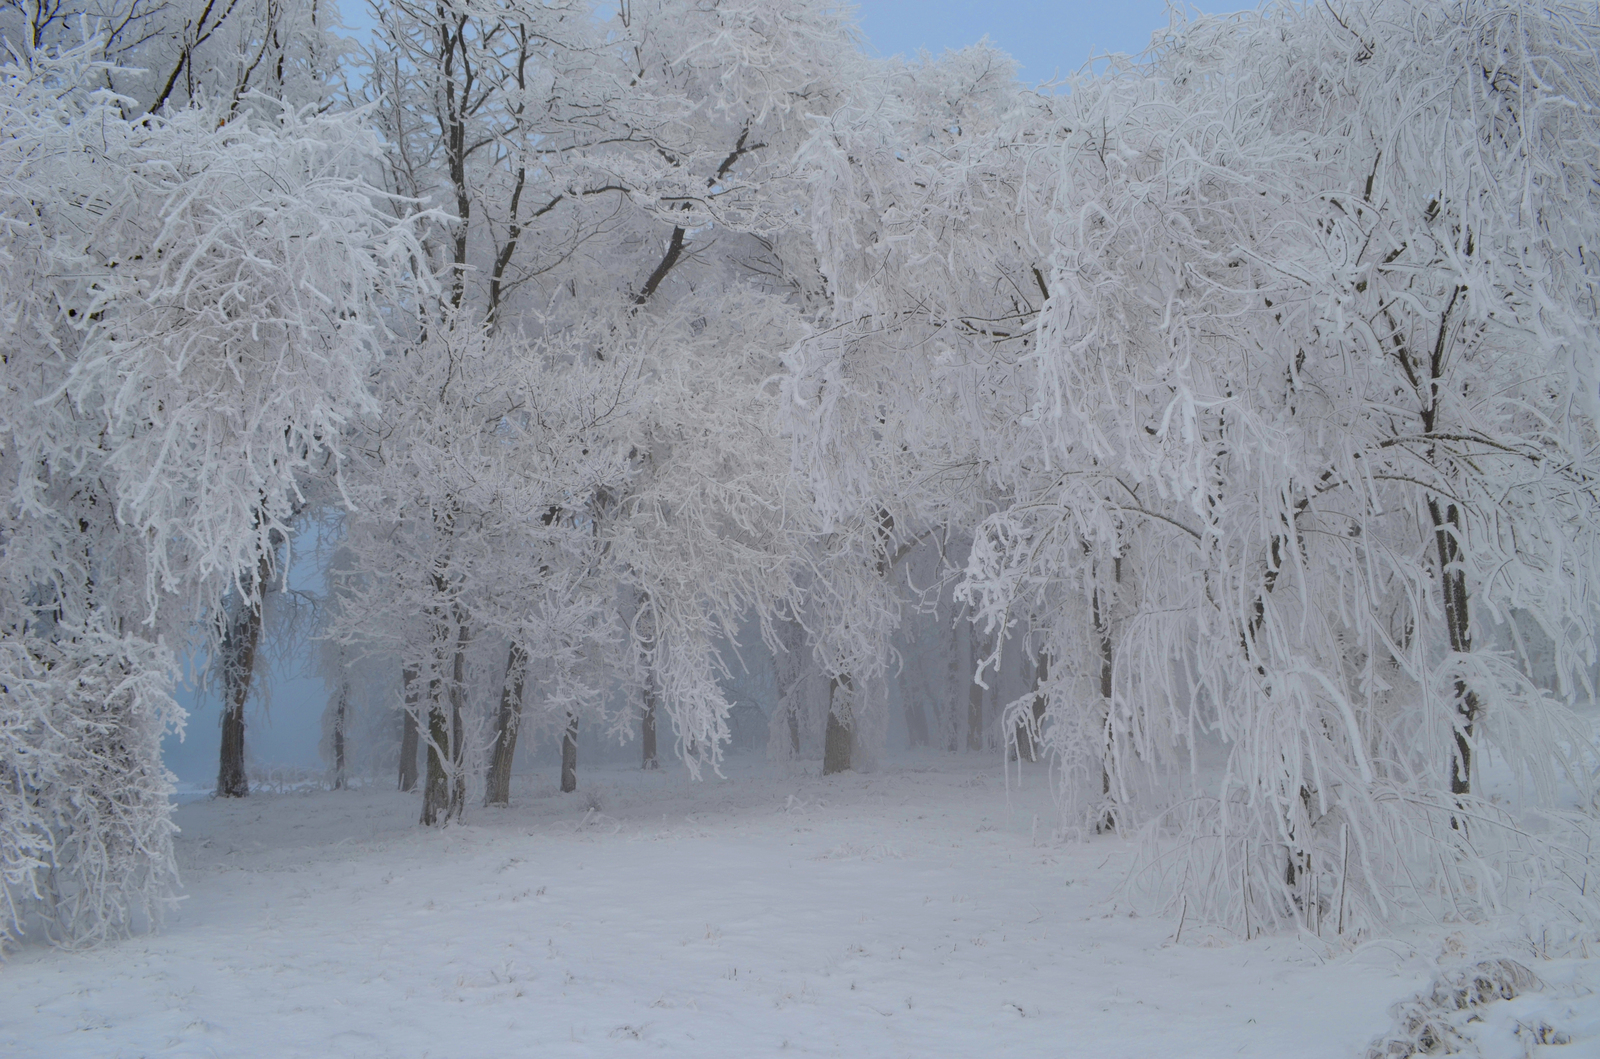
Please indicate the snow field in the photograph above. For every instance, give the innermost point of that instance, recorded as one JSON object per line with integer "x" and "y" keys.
{"x": 919, "y": 911}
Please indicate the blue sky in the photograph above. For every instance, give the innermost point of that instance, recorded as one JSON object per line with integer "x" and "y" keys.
{"x": 1045, "y": 37}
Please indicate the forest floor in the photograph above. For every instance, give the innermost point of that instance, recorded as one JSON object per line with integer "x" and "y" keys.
{"x": 921, "y": 910}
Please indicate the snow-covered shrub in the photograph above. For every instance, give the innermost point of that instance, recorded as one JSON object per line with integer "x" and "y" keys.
{"x": 1433, "y": 1021}
{"x": 85, "y": 813}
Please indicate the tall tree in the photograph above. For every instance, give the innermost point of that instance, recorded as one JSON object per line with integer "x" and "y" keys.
{"x": 201, "y": 307}
{"x": 1312, "y": 364}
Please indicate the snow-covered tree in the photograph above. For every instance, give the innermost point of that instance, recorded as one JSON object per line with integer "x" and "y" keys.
{"x": 173, "y": 53}
{"x": 614, "y": 201}
{"x": 1318, "y": 367}
{"x": 928, "y": 296}
{"x": 193, "y": 305}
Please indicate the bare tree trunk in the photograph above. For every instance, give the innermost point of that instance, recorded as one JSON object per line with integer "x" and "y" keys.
{"x": 569, "y": 755}
{"x": 645, "y": 629}
{"x": 341, "y": 712}
{"x": 240, "y": 643}
{"x": 952, "y": 718}
{"x": 1027, "y": 742}
{"x": 975, "y": 692}
{"x": 838, "y": 741}
{"x": 497, "y": 785}
{"x": 1102, "y": 622}
{"x": 436, "y": 785}
{"x": 647, "y": 727}
{"x": 789, "y": 673}
{"x": 1453, "y": 583}
{"x": 458, "y": 703}
{"x": 1446, "y": 519}
{"x": 444, "y": 794}
{"x": 408, "y": 729}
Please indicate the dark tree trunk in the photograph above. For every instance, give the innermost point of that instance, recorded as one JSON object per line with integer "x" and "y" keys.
{"x": 569, "y": 755}
{"x": 647, "y": 728}
{"x": 497, "y": 785}
{"x": 436, "y": 786}
{"x": 408, "y": 730}
{"x": 240, "y": 642}
{"x": 341, "y": 711}
{"x": 458, "y": 703}
{"x": 838, "y": 741}
{"x": 444, "y": 794}
{"x": 1102, "y": 622}
{"x": 1453, "y": 582}
{"x": 1446, "y": 520}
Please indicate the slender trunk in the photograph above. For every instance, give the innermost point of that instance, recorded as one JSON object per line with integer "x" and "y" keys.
{"x": 457, "y": 101}
{"x": 1446, "y": 520}
{"x": 645, "y": 613}
{"x": 1102, "y": 621}
{"x": 569, "y": 755}
{"x": 975, "y": 692}
{"x": 497, "y": 785}
{"x": 1027, "y": 736}
{"x": 916, "y": 719}
{"x": 952, "y": 719}
{"x": 647, "y": 728}
{"x": 341, "y": 711}
{"x": 444, "y": 793}
{"x": 436, "y": 785}
{"x": 458, "y": 702}
{"x": 240, "y": 642}
{"x": 408, "y": 730}
{"x": 837, "y": 743}
{"x": 1453, "y": 582}
{"x": 790, "y": 673}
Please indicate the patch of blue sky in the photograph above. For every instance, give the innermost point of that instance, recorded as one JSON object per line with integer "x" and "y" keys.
{"x": 1048, "y": 38}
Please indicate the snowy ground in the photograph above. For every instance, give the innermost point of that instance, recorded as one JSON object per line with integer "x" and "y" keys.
{"x": 918, "y": 911}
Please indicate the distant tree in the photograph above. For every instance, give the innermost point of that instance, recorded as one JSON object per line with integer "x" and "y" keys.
{"x": 928, "y": 294}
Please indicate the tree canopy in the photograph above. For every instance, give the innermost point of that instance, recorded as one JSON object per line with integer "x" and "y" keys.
{"x": 1223, "y": 427}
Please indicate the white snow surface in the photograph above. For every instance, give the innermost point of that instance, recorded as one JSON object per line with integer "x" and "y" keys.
{"x": 923, "y": 910}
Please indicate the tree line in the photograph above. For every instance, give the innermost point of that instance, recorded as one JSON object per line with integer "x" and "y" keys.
{"x": 1219, "y": 426}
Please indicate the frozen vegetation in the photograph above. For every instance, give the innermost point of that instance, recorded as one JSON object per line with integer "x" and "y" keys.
{"x": 832, "y": 551}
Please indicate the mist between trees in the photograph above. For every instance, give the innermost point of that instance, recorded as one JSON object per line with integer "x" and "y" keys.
{"x": 1218, "y": 435}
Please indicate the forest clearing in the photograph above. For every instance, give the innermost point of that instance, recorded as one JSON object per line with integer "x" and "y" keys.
{"x": 919, "y": 911}
{"x": 802, "y": 550}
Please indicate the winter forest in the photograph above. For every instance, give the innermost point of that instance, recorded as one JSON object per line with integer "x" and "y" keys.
{"x": 1201, "y": 453}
